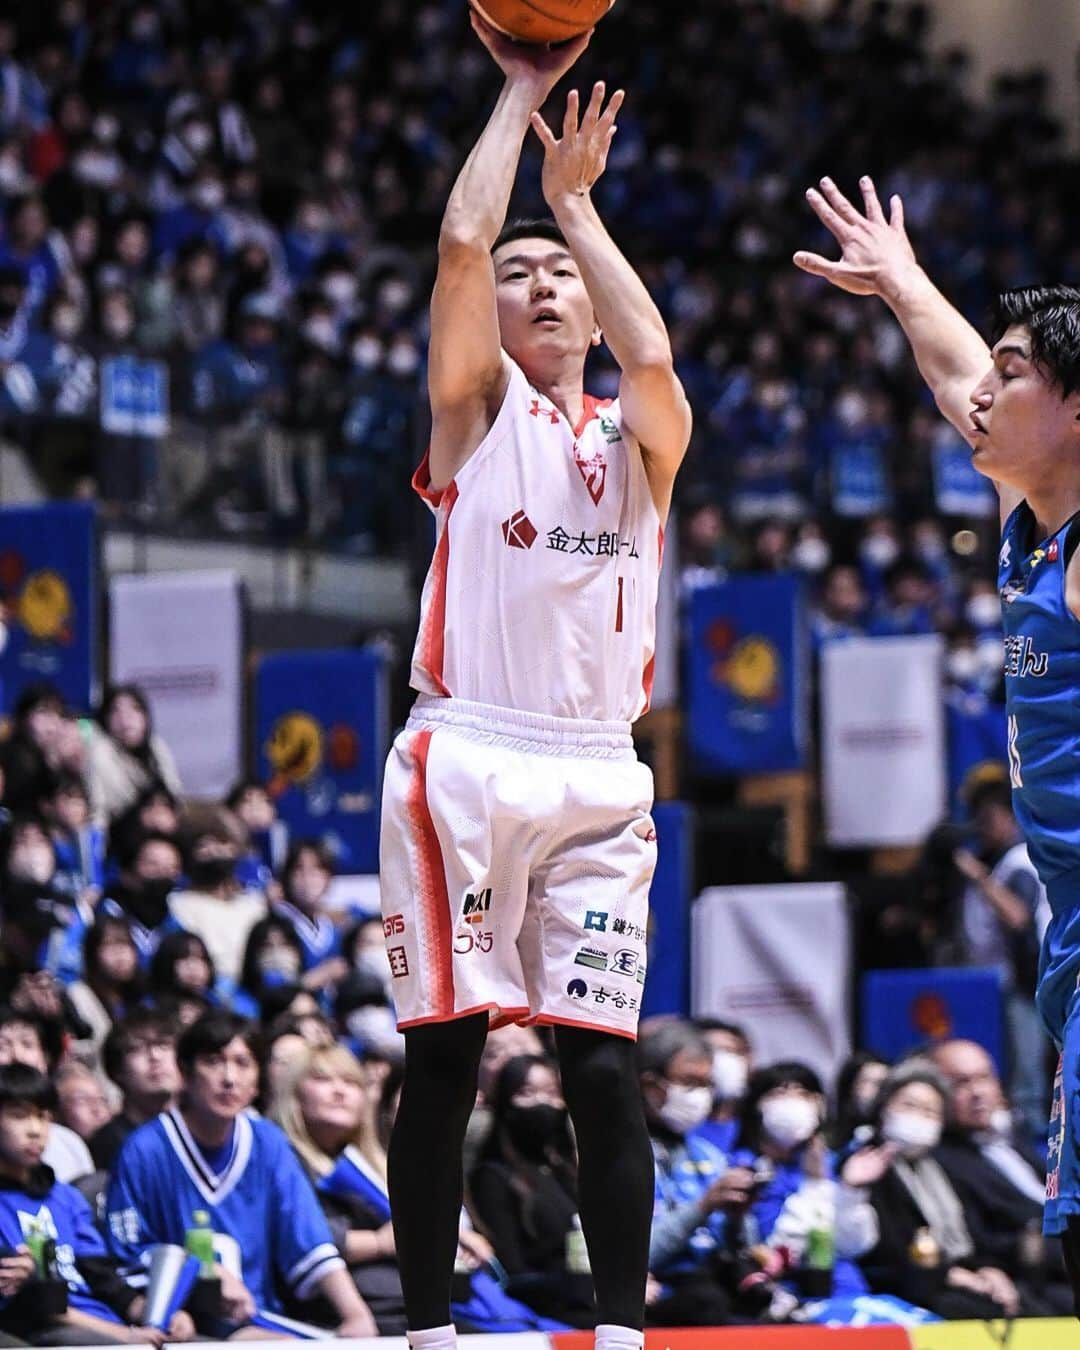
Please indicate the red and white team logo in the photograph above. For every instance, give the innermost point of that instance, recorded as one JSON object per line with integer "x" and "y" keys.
{"x": 519, "y": 531}
{"x": 594, "y": 472}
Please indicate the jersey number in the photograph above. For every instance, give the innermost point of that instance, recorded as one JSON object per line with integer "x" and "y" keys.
{"x": 1016, "y": 777}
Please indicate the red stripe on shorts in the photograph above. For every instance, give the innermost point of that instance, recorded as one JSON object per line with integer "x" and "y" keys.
{"x": 435, "y": 937}
{"x": 433, "y": 647}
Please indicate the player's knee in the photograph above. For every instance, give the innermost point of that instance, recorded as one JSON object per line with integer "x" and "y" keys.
{"x": 599, "y": 1074}
{"x": 446, "y": 1056}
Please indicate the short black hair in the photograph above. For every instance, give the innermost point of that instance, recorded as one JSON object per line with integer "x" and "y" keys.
{"x": 239, "y": 790}
{"x": 174, "y": 947}
{"x": 1051, "y": 314}
{"x": 140, "y": 1023}
{"x": 20, "y": 1085}
{"x": 541, "y": 227}
{"x": 50, "y": 1033}
{"x": 990, "y": 792}
{"x": 36, "y": 695}
{"x": 211, "y": 1034}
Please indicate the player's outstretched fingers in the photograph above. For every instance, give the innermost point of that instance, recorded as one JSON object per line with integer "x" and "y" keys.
{"x": 618, "y": 98}
{"x": 870, "y": 200}
{"x": 570, "y": 120}
{"x": 839, "y": 202}
{"x": 547, "y": 136}
{"x": 896, "y": 213}
{"x": 825, "y": 213}
{"x": 814, "y": 263}
{"x": 596, "y": 103}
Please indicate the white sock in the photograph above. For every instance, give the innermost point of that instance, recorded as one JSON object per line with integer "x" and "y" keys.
{"x": 619, "y": 1338}
{"x": 435, "y": 1338}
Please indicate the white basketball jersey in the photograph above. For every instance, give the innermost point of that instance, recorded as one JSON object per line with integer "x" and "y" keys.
{"x": 541, "y": 595}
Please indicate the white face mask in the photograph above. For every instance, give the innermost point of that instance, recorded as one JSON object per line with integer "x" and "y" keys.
{"x": 374, "y": 961}
{"x": 914, "y": 1134}
{"x": 210, "y": 196}
{"x": 34, "y": 863}
{"x": 811, "y": 555}
{"x": 685, "y": 1108}
{"x": 367, "y": 352}
{"x": 403, "y": 360}
{"x": 879, "y": 550}
{"x": 983, "y": 611}
{"x": 321, "y": 332}
{"x": 963, "y": 665}
{"x": 729, "y": 1075}
{"x": 198, "y": 137}
{"x": 340, "y": 287}
{"x": 375, "y": 1028}
{"x": 790, "y": 1121}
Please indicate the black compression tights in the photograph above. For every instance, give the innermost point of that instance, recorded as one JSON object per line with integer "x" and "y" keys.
{"x": 616, "y": 1174}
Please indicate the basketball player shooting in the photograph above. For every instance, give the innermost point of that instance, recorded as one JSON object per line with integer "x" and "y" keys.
{"x": 517, "y": 845}
{"x": 1018, "y": 407}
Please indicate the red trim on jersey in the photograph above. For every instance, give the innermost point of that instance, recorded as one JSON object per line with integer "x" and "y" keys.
{"x": 649, "y": 673}
{"x": 434, "y": 899}
{"x": 550, "y": 1020}
{"x": 505, "y": 1016}
{"x": 421, "y": 481}
{"x": 593, "y": 407}
{"x": 433, "y": 643}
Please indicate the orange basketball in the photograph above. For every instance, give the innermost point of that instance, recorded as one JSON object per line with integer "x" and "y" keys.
{"x": 542, "y": 20}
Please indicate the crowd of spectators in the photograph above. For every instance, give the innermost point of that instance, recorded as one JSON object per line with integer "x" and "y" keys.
{"x": 219, "y": 226}
{"x": 192, "y": 1037}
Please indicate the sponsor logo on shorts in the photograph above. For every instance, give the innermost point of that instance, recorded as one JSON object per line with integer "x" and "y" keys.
{"x": 624, "y": 928}
{"x": 577, "y": 989}
{"x": 399, "y": 962}
{"x": 477, "y": 905}
{"x": 592, "y": 957}
{"x": 602, "y": 996}
{"x": 629, "y": 963}
{"x": 394, "y": 926}
{"x": 469, "y": 940}
{"x": 596, "y": 921}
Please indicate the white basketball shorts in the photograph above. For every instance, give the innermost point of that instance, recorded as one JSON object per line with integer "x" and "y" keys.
{"x": 516, "y": 857}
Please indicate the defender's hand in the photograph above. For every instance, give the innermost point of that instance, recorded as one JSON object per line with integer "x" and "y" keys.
{"x": 876, "y": 254}
{"x": 534, "y": 66}
{"x": 572, "y": 165}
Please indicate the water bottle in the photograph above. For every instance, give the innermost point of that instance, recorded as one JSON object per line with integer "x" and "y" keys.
{"x": 199, "y": 1242}
{"x": 577, "y": 1252}
{"x": 819, "y": 1258}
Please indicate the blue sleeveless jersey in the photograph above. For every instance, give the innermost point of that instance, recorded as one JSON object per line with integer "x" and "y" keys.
{"x": 1042, "y": 689}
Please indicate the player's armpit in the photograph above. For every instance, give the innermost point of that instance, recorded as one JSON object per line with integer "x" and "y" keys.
{"x": 657, "y": 412}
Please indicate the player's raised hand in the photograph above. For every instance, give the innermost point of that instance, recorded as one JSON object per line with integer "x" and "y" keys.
{"x": 574, "y": 163}
{"x": 875, "y": 254}
{"x": 533, "y": 65}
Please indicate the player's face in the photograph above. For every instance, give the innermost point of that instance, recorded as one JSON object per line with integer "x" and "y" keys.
{"x": 544, "y": 309}
{"x": 1021, "y": 426}
{"x": 24, "y": 1132}
{"x": 223, "y": 1084}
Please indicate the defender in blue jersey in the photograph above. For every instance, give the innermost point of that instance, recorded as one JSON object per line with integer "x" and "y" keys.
{"x": 210, "y": 1155}
{"x": 1018, "y": 407}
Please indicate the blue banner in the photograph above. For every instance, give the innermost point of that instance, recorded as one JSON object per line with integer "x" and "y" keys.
{"x": 904, "y": 1009}
{"x": 321, "y": 729}
{"x": 860, "y": 479}
{"x": 747, "y": 688}
{"x": 134, "y": 397}
{"x": 49, "y": 591}
{"x": 959, "y": 488}
{"x": 667, "y": 984}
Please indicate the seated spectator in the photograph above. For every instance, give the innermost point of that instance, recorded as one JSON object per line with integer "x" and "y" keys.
{"x": 841, "y": 608}
{"x": 732, "y": 1061}
{"x": 154, "y": 811}
{"x": 208, "y": 1153}
{"x": 28, "y": 757}
{"x": 502, "y": 1044}
{"x": 857, "y": 1086}
{"x": 79, "y": 844}
{"x": 906, "y": 608}
{"x": 150, "y": 869}
{"x": 139, "y": 1056}
{"x": 362, "y": 1011}
{"x": 524, "y": 1190}
{"x": 305, "y": 883}
{"x": 214, "y": 906}
{"x": 111, "y": 983}
{"x": 181, "y": 966}
{"x": 267, "y": 835}
{"x": 26, "y": 1038}
{"x": 303, "y": 1007}
{"x": 101, "y": 1307}
{"x": 44, "y": 924}
{"x": 782, "y": 1140}
{"x": 125, "y": 755}
{"x": 925, "y": 1251}
{"x": 283, "y": 1045}
{"x": 82, "y": 1102}
{"x": 327, "y": 1111}
{"x": 273, "y": 959}
{"x": 1000, "y": 1179}
{"x": 700, "y": 1200}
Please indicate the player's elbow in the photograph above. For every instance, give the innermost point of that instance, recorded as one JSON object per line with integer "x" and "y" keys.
{"x": 651, "y": 361}
{"x": 462, "y": 238}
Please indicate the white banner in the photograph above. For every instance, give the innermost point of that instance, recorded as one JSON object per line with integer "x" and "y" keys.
{"x": 180, "y": 637}
{"x": 882, "y": 740}
{"x": 776, "y": 960}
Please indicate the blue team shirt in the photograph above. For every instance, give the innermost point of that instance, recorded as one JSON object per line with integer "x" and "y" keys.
{"x": 268, "y": 1225}
{"x": 1042, "y": 676}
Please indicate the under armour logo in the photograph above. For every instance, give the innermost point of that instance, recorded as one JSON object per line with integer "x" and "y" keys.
{"x": 519, "y": 531}
{"x": 549, "y": 413}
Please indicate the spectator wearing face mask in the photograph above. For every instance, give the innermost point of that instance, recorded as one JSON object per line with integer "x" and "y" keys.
{"x": 925, "y": 1252}
{"x": 878, "y": 549}
{"x": 273, "y": 960}
{"x": 732, "y": 1061}
{"x": 305, "y": 884}
{"x": 214, "y": 907}
{"x": 29, "y": 756}
{"x": 44, "y": 921}
{"x": 700, "y": 1200}
{"x": 150, "y": 869}
{"x": 524, "y": 1190}
{"x": 363, "y": 1011}
{"x": 781, "y": 1136}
